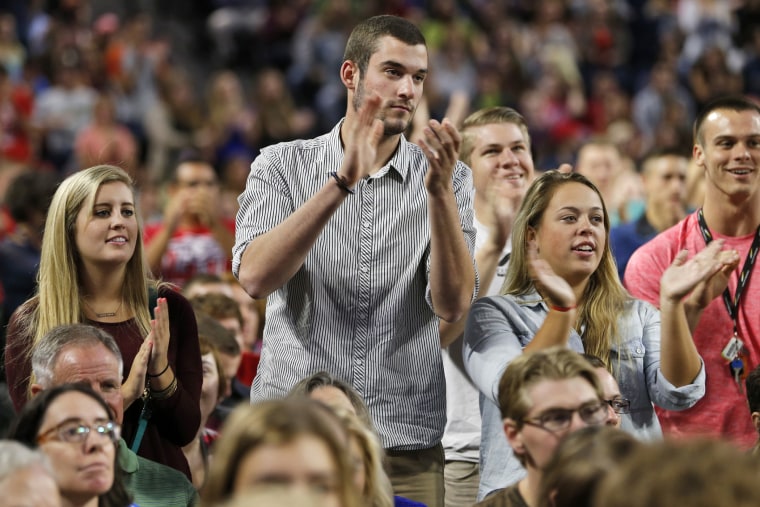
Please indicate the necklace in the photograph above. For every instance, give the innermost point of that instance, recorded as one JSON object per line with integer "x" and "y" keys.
{"x": 105, "y": 314}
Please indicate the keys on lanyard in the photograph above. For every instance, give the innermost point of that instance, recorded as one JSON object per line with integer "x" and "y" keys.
{"x": 733, "y": 352}
{"x": 737, "y": 369}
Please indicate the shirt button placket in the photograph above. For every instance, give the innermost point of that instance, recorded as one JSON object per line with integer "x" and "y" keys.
{"x": 365, "y": 286}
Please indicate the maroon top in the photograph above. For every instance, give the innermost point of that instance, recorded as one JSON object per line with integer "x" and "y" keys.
{"x": 175, "y": 420}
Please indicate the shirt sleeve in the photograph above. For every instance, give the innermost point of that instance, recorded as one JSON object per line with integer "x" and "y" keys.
{"x": 18, "y": 368}
{"x": 265, "y": 202}
{"x": 490, "y": 344}
{"x": 464, "y": 192}
{"x": 644, "y": 270}
{"x": 178, "y": 417}
{"x": 661, "y": 391}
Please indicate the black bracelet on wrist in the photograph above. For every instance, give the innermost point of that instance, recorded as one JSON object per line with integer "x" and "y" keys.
{"x": 341, "y": 181}
{"x": 162, "y": 371}
{"x": 166, "y": 392}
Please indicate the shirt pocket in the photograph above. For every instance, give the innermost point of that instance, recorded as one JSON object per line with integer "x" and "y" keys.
{"x": 627, "y": 361}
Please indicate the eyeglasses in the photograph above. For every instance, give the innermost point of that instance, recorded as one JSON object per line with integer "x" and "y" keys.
{"x": 559, "y": 419}
{"x": 76, "y": 432}
{"x": 619, "y": 404}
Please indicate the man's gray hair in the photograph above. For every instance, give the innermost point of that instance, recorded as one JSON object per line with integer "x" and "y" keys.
{"x": 46, "y": 351}
{"x": 16, "y": 456}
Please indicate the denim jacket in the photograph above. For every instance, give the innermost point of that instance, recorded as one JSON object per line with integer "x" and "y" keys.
{"x": 499, "y": 327}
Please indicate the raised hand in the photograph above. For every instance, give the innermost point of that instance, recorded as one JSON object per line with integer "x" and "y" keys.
{"x": 176, "y": 207}
{"x": 159, "y": 334}
{"x": 441, "y": 145}
{"x": 503, "y": 201}
{"x": 205, "y": 206}
{"x": 551, "y": 286}
{"x": 133, "y": 387}
{"x": 362, "y": 141}
{"x": 705, "y": 275}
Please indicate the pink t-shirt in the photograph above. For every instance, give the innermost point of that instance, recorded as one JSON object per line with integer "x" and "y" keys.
{"x": 723, "y": 411}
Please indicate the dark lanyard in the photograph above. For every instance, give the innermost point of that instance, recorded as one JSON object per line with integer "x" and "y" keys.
{"x": 733, "y": 305}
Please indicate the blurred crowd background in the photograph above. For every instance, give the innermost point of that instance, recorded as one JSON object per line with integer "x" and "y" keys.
{"x": 135, "y": 83}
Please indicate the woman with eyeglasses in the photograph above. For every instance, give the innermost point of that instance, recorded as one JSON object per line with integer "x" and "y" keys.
{"x": 75, "y": 429}
{"x": 562, "y": 288}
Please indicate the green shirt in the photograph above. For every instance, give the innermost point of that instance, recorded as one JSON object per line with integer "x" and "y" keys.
{"x": 153, "y": 484}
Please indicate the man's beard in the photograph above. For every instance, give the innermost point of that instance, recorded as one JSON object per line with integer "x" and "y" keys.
{"x": 389, "y": 129}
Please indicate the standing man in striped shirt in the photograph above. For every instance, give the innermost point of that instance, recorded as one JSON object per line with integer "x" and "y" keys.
{"x": 362, "y": 242}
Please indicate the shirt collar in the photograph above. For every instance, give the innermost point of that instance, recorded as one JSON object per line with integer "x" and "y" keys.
{"x": 531, "y": 299}
{"x": 127, "y": 458}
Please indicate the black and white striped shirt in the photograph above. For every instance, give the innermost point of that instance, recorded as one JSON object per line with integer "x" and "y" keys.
{"x": 360, "y": 306}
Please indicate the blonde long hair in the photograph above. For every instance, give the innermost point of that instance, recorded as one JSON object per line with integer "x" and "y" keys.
{"x": 58, "y": 299}
{"x": 378, "y": 491}
{"x": 604, "y": 297}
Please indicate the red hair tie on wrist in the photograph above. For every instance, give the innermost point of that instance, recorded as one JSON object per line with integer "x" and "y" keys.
{"x": 563, "y": 308}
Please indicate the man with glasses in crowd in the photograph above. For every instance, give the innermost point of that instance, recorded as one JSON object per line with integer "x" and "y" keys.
{"x": 544, "y": 396}
{"x": 617, "y": 405}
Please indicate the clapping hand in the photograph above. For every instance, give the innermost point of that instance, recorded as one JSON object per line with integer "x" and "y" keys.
{"x": 503, "y": 201}
{"x": 440, "y": 145}
{"x": 159, "y": 334}
{"x": 703, "y": 277}
{"x": 549, "y": 284}
{"x": 133, "y": 387}
{"x": 362, "y": 142}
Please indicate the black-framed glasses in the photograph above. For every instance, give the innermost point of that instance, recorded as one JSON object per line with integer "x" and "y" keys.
{"x": 76, "y": 432}
{"x": 619, "y": 404}
{"x": 559, "y": 419}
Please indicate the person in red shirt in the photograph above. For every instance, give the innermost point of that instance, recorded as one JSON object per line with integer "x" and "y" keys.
{"x": 721, "y": 312}
{"x": 193, "y": 236}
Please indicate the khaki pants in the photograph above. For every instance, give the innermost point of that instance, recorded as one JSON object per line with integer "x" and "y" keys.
{"x": 417, "y": 475}
{"x": 462, "y": 479}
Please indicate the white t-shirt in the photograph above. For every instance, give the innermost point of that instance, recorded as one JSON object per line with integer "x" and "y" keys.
{"x": 461, "y": 437}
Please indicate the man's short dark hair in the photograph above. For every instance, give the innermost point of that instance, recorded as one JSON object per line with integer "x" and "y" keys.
{"x": 363, "y": 41}
{"x": 216, "y": 334}
{"x": 29, "y": 192}
{"x": 729, "y": 102}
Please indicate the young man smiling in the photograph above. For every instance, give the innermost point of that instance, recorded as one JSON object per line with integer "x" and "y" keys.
{"x": 496, "y": 146}
{"x": 362, "y": 242}
{"x": 722, "y": 312}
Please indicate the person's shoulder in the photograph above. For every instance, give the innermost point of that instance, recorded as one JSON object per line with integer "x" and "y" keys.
{"x": 642, "y": 309}
{"x": 159, "y": 470}
{"x": 668, "y": 242}
{"x": 172, "y": 293}
{"x": 508, "y": 305}
{"x": 623, "y": 230}
{"x": 161, "y": 483}
{"x": 297, "y": 145}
